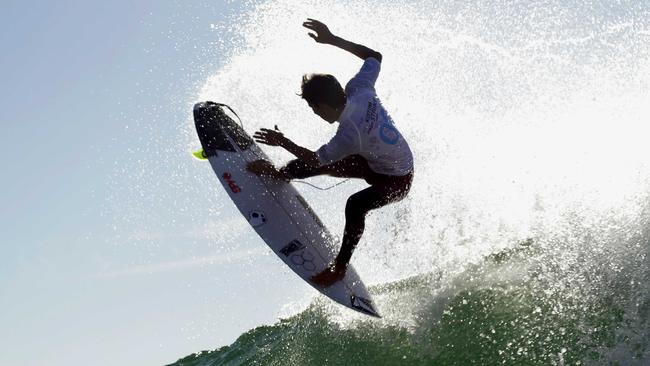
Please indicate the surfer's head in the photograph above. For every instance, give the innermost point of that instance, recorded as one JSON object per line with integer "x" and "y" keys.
{"x": 324, "y": 95}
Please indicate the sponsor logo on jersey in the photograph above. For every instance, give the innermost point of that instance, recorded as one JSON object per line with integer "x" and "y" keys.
{"x": 371, "y": 115}
{"x": 388, "y": 134}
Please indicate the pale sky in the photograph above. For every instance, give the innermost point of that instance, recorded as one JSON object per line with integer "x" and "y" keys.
{"x": 100, "y": 264}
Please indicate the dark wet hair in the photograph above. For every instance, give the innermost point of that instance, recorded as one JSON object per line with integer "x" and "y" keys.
{"x": 322, "y": 88}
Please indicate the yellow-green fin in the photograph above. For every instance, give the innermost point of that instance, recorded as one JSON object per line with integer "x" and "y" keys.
{"x": 200, "y": 154}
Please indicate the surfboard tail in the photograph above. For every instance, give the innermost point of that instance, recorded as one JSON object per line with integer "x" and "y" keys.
{"x": 363, "y": 305}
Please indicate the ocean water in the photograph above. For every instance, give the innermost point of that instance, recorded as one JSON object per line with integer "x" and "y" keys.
{"x": 526, "y": 237}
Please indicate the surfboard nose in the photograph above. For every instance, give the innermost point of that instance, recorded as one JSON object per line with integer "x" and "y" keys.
{"x": 204, "y": 105}
{"x": 217, "y": 131}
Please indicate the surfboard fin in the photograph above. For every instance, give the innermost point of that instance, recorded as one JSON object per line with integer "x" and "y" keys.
{"x": 200, "y": 154}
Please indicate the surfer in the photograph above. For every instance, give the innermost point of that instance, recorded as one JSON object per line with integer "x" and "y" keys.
{"x": 367, "y": 145}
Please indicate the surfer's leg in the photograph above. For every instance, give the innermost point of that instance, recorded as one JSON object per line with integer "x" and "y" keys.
{"x": 356, "y": 209}
{"x": 362, "y": 202}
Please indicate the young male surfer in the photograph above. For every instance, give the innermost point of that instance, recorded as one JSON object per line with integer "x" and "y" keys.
{"x": 367, "y": 145}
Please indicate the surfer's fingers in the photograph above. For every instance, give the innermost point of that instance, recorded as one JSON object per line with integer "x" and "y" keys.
{"x": 313, "y": 28}
{"x": 313, "y": 22}
{"x": 266, "y": 141}
{"x": 268, "y": 132}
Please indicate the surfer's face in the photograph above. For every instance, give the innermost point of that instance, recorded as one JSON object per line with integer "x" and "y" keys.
{"x": 325, "y": 112}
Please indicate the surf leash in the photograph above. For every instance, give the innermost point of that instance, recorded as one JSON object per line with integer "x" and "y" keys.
{"x": 320, "y": 188}
{"x": 233, "y": 112}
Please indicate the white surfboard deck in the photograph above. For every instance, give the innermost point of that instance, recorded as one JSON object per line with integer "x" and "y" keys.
{"x": 277, "y": 212}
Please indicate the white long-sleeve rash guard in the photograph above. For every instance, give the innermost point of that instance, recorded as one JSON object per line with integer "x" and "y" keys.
{"x": 366, "y": 129}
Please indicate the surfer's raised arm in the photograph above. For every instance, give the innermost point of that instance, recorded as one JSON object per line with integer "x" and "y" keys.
{"x": 322, "y": 34}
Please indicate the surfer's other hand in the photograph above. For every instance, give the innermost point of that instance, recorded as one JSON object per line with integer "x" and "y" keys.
{"x": 264, "y": 168}
{"x": 321, "y": 33}
{"x": 269, "y": 137}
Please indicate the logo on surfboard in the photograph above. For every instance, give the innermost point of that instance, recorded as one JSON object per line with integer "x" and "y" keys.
{"x": 256, "y": 218}
{"x": 298, "y": 255}
{"x": 305, "y": 259}
{"x": 363, "y": 305}
{"x": 231, "y": 183}
{"x": 293, "y": 246}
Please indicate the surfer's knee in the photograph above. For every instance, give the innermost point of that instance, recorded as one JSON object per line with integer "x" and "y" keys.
{"x": 355, "y": 207}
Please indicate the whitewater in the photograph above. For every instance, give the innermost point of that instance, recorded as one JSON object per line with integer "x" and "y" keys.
{"x": 525, "y": 239}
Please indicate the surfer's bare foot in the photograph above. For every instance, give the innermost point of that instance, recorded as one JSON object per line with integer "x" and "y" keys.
{"x": 329, "y": 276}
{"x": 264, "y": 168}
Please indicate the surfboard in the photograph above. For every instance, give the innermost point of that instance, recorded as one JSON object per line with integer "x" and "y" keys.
{"x": 274, "y": 208}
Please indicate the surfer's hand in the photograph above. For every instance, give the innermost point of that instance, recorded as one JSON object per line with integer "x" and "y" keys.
{"x": 264, "y": 168}
{"x": 321, "y": 33}
{"x": 270, "y": 137}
